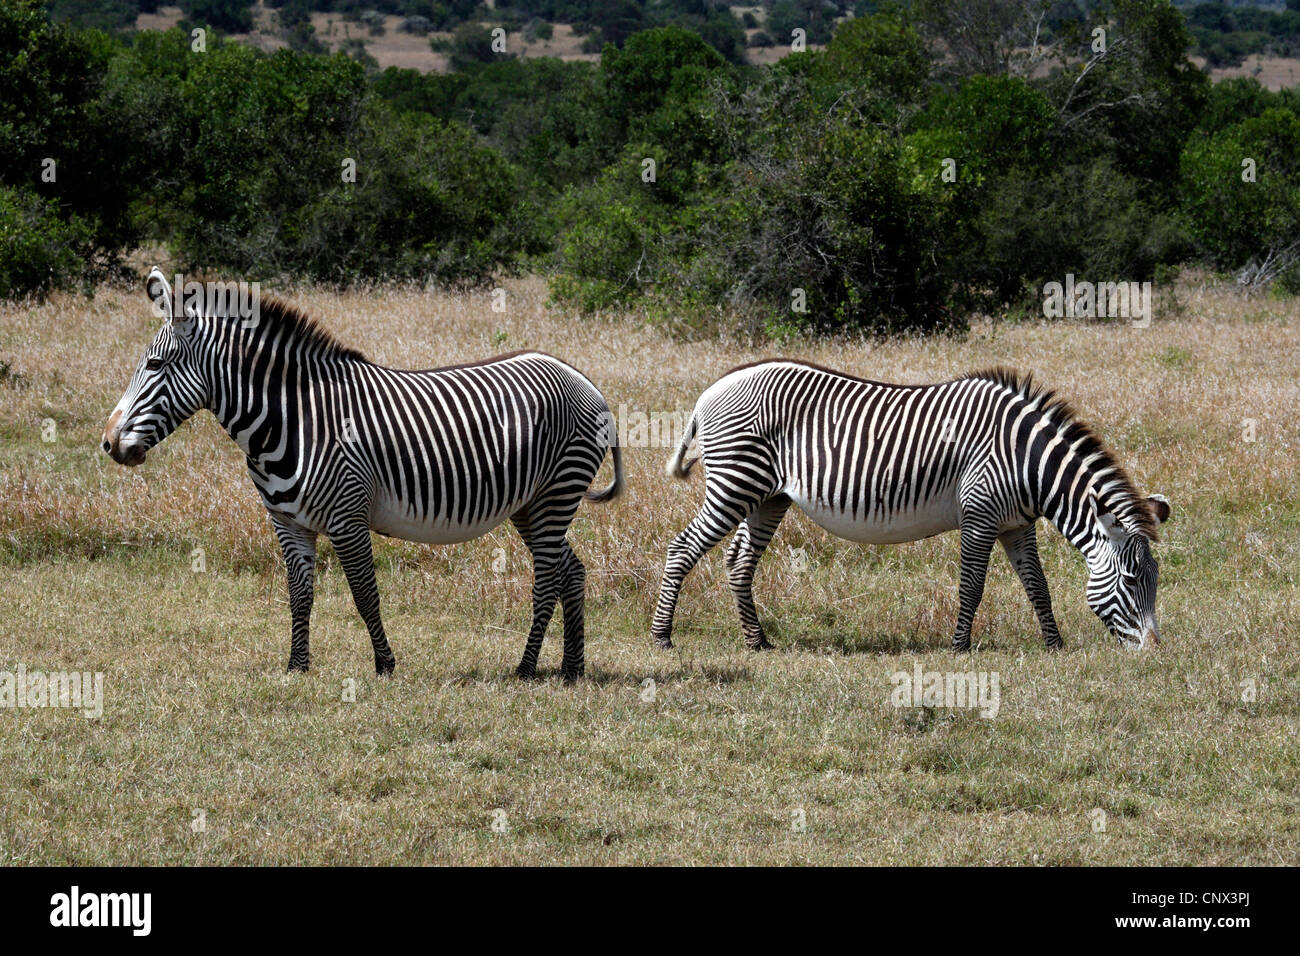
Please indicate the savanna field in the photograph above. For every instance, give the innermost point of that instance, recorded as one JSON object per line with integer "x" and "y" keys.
{"x": 167, "y": 578}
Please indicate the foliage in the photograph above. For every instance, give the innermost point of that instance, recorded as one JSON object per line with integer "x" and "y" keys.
{"x": 324, "y": 182}
{"x": 901, "y": 177}
{"x": 1243, "y": 195}
{"x": 232, "y": 16}
{"x": 59, "y": 147}
{"x": 40, "y": 251}
{"x": 1226, "y": 35}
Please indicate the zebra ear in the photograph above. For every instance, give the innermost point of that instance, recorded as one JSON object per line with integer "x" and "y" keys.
{"x": 1159, "y": 506}
{"x": 159, "y": 292}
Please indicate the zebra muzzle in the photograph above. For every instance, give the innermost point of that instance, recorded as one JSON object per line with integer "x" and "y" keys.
{"x": 129, "y": 455}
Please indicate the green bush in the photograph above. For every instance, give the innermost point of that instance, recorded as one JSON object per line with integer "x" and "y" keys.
{"x": 232, "y": 16}
{"x": 40, "y": 251}
{"x": 470, "y": 44}
{"x": 326, "y": 183}
{"x": 544, "y": 114}
{"x": 1086, "y": 218}
{"x": 616, "y": 237}
{"x": 654, "y": 67}
{"x": 880, "y": 56}
{"x": 810, "y": 194}
{"x": 99, "y": 14}
{"x": 815, "y": 224}
{"x": 786, "y": 16}
{"x": 435, "y": 204}
{"x": 1242, "y": 189}
{"x": 59, "y": 139}
{"x": 1139, "y": 104}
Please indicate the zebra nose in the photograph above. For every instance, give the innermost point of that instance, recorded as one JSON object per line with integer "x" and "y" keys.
{"x": 111, "y": 432}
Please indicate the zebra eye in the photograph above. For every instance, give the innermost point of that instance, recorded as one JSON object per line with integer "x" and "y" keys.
{"x": 154, "y": 364}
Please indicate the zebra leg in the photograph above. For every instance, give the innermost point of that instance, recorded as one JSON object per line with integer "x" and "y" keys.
{"x": 546, "y": 589}
{"x": 705, "y": 530}
{"x": 743, "y": 554}
{"x": 1021, "y": 547}
{"x": 976, "y": 546}
{"x": 352, "y": 542}
{"x": 543, "y": 526}
{"x": 299, "y": 547}
{"x": 573, "y": 584}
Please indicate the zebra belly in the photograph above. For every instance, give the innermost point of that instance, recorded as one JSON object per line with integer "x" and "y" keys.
{"x": 391, "y": 518}
{"x": 927, "y": 520}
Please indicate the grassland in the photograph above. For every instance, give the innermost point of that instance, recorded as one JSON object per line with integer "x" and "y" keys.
{"x": 732, "y": 749}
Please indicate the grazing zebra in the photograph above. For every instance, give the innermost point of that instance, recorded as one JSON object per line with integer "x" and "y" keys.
{"x": 988, "y": 454}
{"x": 341, "y": 446}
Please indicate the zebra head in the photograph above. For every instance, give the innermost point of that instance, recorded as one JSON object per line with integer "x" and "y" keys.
{"x": 1122, "y": 575}
{"x": 166, "y": 389}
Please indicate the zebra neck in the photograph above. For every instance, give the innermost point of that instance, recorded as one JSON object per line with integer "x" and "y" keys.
{"x": 262, "y": 393}
{"x": 1084, "y": 528}
{"x": 1066, "y": 500}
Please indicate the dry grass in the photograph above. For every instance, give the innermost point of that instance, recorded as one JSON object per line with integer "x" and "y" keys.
{"x": 410, "y": 51}
{"x": 96, "y": 563}
{"x": 391, "y": 48}
{"x": 1273, "y": 72}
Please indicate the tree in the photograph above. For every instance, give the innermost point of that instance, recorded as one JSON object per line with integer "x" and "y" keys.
{"x": 470, "y": 44}
{"x": 1130, "y": 92}
{"x": 1242, "y": 188}
{"x": 880, "y": 57}
{"x": 640, "y": 76}
{"x": 989, "y": 37}
{"x": 233, "y": 16}
{"x": 40, "y": 250}
{"x": 59, "y": 149}
{"x": 810, "y": 16}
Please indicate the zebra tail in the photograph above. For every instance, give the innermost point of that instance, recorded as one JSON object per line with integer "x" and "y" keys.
{"x": 678, "y": 465}
{"x": 616, "y": 486}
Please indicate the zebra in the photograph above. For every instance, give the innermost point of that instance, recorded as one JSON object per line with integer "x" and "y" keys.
{"x": 987, "y": 454}
{"x": 338, "y": 445}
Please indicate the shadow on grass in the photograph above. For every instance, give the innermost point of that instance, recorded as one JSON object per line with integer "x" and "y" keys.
{"x": 671, "y": 672}
{"x": 861, "y": 642}
{"x": 858, "y": 642}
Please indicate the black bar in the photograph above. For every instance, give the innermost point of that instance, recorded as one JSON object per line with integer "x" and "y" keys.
{"x": 933, "y": 907}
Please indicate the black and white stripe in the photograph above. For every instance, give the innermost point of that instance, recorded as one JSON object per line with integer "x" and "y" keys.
{"x": 987, "y": 454}
{"x": 340, "y": 446}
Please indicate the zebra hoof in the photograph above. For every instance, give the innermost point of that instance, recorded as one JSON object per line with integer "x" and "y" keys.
{"x": 384, "y": 668}
{"x": 298, "y": 667}
{"x": 664, "y": 643}
{"x": 571, "y": 675}
{"x": 523, "y": 672}
{"x": 762, "y": 644}
{"x": 962, "y": 647}
{"x": 1055, "y": 645}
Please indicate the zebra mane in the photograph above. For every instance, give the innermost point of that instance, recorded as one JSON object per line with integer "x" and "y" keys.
{"x": 1081, "y": 435}
{"x": 302, "y": 328}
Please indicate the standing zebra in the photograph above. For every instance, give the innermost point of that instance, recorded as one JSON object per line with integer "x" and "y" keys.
{"x": 988, "y": 454}
{"x": 341, "y": 446}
